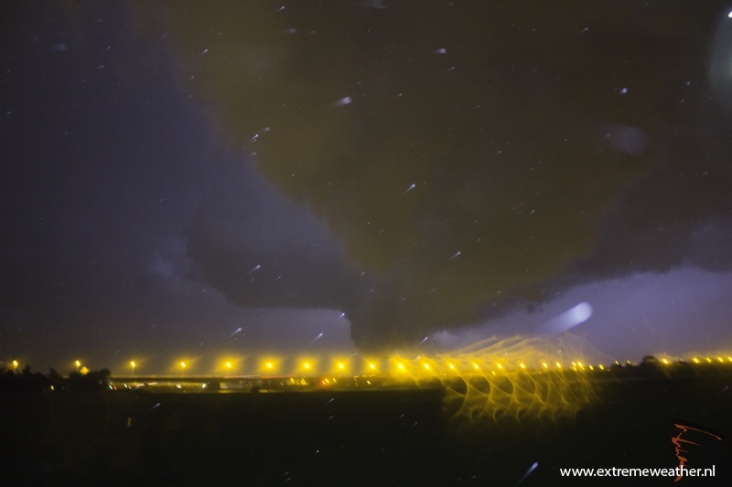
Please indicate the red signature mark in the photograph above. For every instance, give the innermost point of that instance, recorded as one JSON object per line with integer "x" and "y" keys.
{"x": 679, "y": 442}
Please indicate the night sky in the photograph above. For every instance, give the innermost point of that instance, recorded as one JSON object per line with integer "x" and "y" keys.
{"x": 198, "y": 178}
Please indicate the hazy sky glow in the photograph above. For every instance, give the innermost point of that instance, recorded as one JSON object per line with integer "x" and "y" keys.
{"x": 375, "y": 172}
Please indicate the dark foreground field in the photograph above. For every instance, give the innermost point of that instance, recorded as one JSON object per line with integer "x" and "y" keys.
{"x": 359, "y": 437}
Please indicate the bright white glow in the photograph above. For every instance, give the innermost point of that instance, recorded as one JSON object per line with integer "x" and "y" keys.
{"x": 409, "y": 188}
{"x": 569, "y": 319}
{"x": 342, "y": 102}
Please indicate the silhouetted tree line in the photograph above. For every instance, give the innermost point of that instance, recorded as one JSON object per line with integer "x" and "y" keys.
{"x": 28, "y": 381}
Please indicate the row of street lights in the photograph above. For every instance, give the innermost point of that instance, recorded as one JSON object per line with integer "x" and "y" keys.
{"x": 182, "y": 366}
{"x": 271, "y": 365}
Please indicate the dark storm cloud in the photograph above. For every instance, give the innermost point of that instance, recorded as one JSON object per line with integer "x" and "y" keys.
{"x": 465, "y": 153}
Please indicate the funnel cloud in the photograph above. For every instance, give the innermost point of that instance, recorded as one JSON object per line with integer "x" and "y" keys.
{"x": 186, "y": 177}
{"x": 538, "y": 150}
